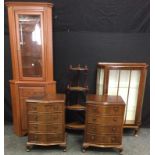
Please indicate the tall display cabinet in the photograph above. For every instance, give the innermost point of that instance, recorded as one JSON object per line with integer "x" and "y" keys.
{"x": 128, "y": 81}
{"x": 30, "y": 30}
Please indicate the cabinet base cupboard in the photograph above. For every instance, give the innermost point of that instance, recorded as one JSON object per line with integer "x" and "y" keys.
{"x": 30, "y": 30}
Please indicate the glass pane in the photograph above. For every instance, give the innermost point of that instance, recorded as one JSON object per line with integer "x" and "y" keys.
{"x": 132, "y": 105}
{"x": 100, "y": 78}
{"x": 113, "y": 78}
{"x": 30, "y": 45}
{"x": 132, "y": 99}
{"x": 130, "y": 117}
{"x": 123, "y": 92}
{"x": 124, "y": 78}
{"x": 112, "y": 91}
{"x": 135, "y": 78}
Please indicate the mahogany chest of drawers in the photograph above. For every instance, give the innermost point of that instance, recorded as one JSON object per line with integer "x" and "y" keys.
{"x": 46, "y": 121}
{"x": 104, "y": 122}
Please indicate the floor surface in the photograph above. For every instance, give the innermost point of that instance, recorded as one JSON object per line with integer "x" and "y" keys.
{"x": 14, "y": 145}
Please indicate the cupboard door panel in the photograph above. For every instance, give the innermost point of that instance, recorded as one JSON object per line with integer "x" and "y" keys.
{"x": 26, "y": 92}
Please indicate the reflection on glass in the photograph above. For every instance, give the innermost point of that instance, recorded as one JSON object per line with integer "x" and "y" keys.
{"x": 124, "y": 78}
{"x": 113, "y": 78}
{"x": 36, "y": 35}
{"x": 100, "y": 78}
{"x": 30, "y": 45}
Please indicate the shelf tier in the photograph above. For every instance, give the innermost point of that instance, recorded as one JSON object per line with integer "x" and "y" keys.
{"x": 75, "y": 107}
{"x": 75, "y": 125}
{"x": 77, "y": 89}
{"x": 79, "y": 69}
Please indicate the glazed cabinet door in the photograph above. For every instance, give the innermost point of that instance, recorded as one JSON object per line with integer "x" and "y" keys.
{"x": 30, "y": 49}
{"x": 124, "y": 83}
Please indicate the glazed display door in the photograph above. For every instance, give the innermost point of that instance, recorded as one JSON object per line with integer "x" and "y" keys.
{"x": 124, "y": 83}
{"x": 30, "y": 45}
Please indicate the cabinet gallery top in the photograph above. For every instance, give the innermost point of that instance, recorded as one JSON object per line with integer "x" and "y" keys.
{"x": 29, "y": 4}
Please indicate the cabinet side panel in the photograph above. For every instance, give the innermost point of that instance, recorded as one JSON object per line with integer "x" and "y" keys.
{"x": 13, "y": 40}
{"x": 141, "y": 95}
{"x": 15, "y": 108}
{"x": 51, "y": 88}
{"x": 48, "y": 44}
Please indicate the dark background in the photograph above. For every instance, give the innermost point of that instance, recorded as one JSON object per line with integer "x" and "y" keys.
{"x": 87, "y": 32}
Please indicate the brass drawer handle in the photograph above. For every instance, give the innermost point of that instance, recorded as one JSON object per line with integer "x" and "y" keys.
{"x": 113, "y": 129}
{"x": 36, "y": 137}
{"x": 36, "y": 118}
{"x": 116, "y": 109}
{"x": 49, "y": 139}
{"x": 48, "y": 107}
{"x": 92, "y": 137}
{"x": 114, "y": 119}
{"x": 94, "y": 119}
{"x": 34, "y": 93}
{"x": 95, "y": 109}
{"x": 34, "y": 108}
{"x": 103, "y": 138}
{"x": 35, "y": 127}
{"x": 113, "y": 139}
{"x": 56, "y": 108}
{"x": 55, "y": 128}
{"x": 94, "y": 129}
{"x": 55, "y": 118}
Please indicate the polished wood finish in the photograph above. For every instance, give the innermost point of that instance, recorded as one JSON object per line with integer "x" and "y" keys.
{"x": 104, "y": 122}
{"x": 75, "y": 125}
{"x": 75, "y": 107}
{"x": 142, "y": 68}
{"x": 46, "y": 121}
{"x": 77, "y": 83}
{"x": 29, "y": 78}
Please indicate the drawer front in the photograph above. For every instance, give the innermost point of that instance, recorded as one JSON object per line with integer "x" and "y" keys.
{"x": 104, "y": 139}
{"x": 45, "y": 118}
{"x": 98, "y": 129}
{"x": 106, "y": 120}
{"x": 105, "y": 110}
{"x": 45, "y": 138}
{"x": 26, "y": 92}
{"x": 31, "y": 91}
{"x": 45, "y": 107}
{"x": 50, "y": 128}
